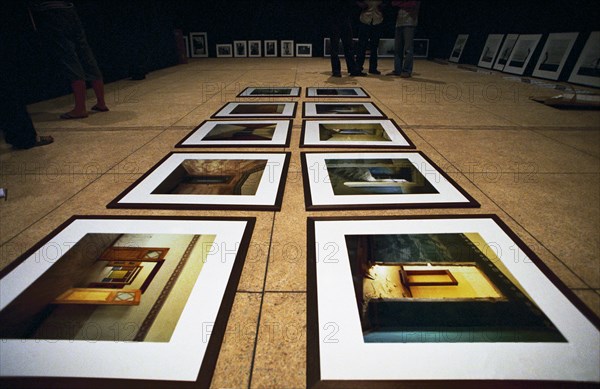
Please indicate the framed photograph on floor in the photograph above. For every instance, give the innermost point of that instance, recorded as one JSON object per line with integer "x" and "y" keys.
{"x": 271, "y": 91}
{"x": 235, "y": 133}
{"x": 225, "y": 50}
{"x": 554, "y": 55}
{"x": 459, "y": 47}
{"x": 378, "y": 180}
{"x": 256, "y": 110}
{"x": 271, "y": 48}
{"x": 303, "y": 49}
{"x": 240, "y": 49}
{"x": 522, "y": 53}
{"x": 287, "y": 48}
{"x": 199, "y": 42}
{"x": 254, "y": 49}
{"x": 490, "y": 50}
{"x": 121, "y": 300}
{"x": 336, "y": 92}
{"x": 587, "y": 68}
{"x": 354, "y": 133}
{"x": 246, "y": 181}
{"x": 341, "y": 110}
{"x": 448, "y": 301}
{"x": 386, "y": 48}
{"x": 421, "y": 48}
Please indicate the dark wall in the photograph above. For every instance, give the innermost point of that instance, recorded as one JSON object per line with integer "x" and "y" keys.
{"x": 136, "y": 33}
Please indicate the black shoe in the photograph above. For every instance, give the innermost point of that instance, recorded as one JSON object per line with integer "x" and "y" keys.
{"x": 336, "y": 74}
{"x": 374, "y": 71}
{"x": 392, "y": 74}
{"x": 358, "y": 74}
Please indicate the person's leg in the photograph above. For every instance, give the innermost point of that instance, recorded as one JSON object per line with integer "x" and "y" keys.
{"x": 346, "y": 35}
{"x": 18, "y": 128}
{"x": 374, "y": 39}
{"x": 409, "y": 35}
{"x": 363, "y": 40}
{"x": 336, "y": 68}
{"x": 98, "y": 86}
{"x": 398, "y": 50}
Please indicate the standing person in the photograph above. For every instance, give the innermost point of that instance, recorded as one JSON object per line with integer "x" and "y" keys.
{"x": 59, "y": 21}
{"x": 406, "y": 23}
{"x": 340, "y": 23}
{"x": 369, "y": 33}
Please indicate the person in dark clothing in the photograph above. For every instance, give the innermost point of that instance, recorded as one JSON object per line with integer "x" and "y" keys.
{"x": 406, "y": 24}
{"x": 340, "y": 23}
{"x": 369, "y": 33}
{"x": 59, "y": 22}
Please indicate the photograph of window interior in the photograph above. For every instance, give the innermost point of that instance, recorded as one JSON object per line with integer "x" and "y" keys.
{"x": 376, "y": 177}
{"x": 111, "y": 287}
{"x": 238, "y": 132}
{"x": 272, "y": 91}
{"x": 336, "y": 92}
{"x": 353, "y": 132}
{"x": 440, "y": 287}
{"x": 214, "y": 177}
{"x": 341, "y": 109}
{"x": 523, "y": 50}
{"x": 257, "y": 109}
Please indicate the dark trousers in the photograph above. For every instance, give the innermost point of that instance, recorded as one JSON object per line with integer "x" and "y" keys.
{"x": 342, "y": 29}
{"x": 403, "y": 49}
{"x": 16, "y": 124}
{"x": 368, "y": 37}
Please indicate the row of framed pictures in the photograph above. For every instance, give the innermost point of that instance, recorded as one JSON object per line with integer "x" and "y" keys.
{"x": 513, "y": 52}
{"x": 386, "y": 48}
{"x": 197, "y": 47}
{"x": 461, "y": 292}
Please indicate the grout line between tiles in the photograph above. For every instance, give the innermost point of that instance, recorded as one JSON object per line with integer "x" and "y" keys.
{"x": 565, "y": 144}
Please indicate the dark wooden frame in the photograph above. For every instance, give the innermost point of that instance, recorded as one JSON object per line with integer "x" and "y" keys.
{"x": 361, "y": 116}
{"x": 308, "y": 203}
{"x": 262, "y": 116}
{"x": 411, "y": 145}
{"x": 185, "y": 206}
{"x": 313, "y": 371}
{"x": 209, "y": 362}
{"x": 180, "y": 144}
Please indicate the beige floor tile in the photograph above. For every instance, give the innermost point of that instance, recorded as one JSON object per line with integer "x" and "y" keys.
{"x": 235, "y": 358}
{"x": 586, "y": 141}
{"x": 560, "y": 210}
{"x": 591, "y": 298}
{"x": 280, "y": 360}
{"x": 520, "y": 152}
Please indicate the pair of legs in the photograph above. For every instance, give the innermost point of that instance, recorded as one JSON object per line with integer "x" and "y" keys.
{"x": 368, "y": 37}
{"x": 79, "y": 92}
{"x": 342, "y": 29}
{"x": 404, "y": 50}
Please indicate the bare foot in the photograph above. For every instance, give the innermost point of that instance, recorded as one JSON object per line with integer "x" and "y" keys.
{"x": 100, "y": 108}
{"x": 74, "y": 115}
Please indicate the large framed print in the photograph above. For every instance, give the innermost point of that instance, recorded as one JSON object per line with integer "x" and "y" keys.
{"x": 303, "y": 49}
{"x": 488, "y": 55}
{"x": 522, "y": 53}
{"x": 271, "y": 91}
{"x": 121, "y": 301}
{"x": 439, "y": 301}
{"x": 287, "y": 48}
{"x": 254, "y": 49}
{"x": 224, "y": 50}
{"x": 341, "y": 110}
{"x": 459, "y": 46}
{"x": 199, "y": 42}
{"x": 556, "y": 50}
{"x": 336, "y": 92}
{"x": 421, "y": 48}
{"x": 186, "y": 44}
{"x": 378, "y": 180}
{"x": 240, "y": 49}
{"x": 327, "y": 47}
{"x": 237, "y": 133}
{"x": 246, "y": 181}
{"x": 354, "y": 133}
{"x": 505, "y": 51}
{"x": 256, "y": 110}
{"x": 270, "y": 48}
{"x": 386, "y": 48}
{"x": 587, "y": 68}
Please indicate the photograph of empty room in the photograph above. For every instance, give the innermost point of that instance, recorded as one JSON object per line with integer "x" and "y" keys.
{"x": 235, "y": 133}
{"x": 256, "y": 110}
{"x": 433, "y": 287}
{"x": 376, "y": 177}
{"x": 111, "y": 287}
{"x": 338, "y": 109}
{"x": 214, "y": 177}
{"x": 353, "y": 133}
{"x": 270, "y": 91}
{"x": 335, "y": 92}
{"x": 247, "y": 131}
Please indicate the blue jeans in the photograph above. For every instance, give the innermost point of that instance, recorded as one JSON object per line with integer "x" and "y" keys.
{"x": 404, "y": 49}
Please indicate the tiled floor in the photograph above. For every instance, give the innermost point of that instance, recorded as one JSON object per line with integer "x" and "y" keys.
{"x": 538, "y": 168}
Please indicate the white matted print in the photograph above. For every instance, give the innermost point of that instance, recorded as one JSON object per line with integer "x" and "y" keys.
{"x": 287, "y": 48}
{"x": 459, "y": 46}
{"x": 186, "y": 43}
{"x": 235, "y": 133}
{"x": 240, "y": 49}
{"x": 505, "y": 51}
{"x": 488, "y": 55}
{"x": 522, "y": 53}
{"x": 254, "y": 49}
{"x": 225, "y": 50}
{"x": 271, "y": 91}
{"x": 119, "y": 297}
{"x": 257, "y": 110}
{"x": 394, "y": 292}
{"x": 554, "y": 55}
{"x": 252, "y": 181}
{"x": 587, "y": 68}
{"x": 303, "y": 49}
{"x": 354, "y": 133}
{"x": 378, "y": 180}
{"x": 341, "y": 110}
{"x": 271, "y": 48}
{"x": 199, "y": 44}
{"x": 336, "y": 92}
